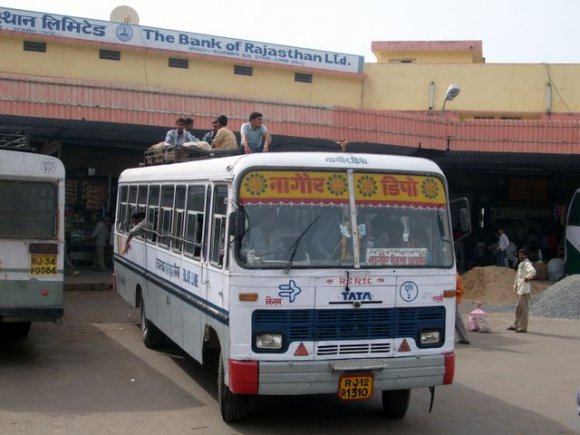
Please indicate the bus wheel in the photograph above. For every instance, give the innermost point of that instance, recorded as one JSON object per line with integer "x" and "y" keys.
{"x": 152, "y": 336}
{"x": 396, "y": 403}
{"x": 18, "y": 330}
{"x": 234, "y": 407}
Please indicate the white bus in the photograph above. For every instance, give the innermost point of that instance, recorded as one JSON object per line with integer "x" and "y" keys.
{"x": 31, "y": 240}
{"x": 572, "y": 246}
{"x": 311, "y": 273}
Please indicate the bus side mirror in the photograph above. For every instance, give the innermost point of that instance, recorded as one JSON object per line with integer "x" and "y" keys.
{"x": 464, "y": 220}
{"x": 460, "y": 218}
{"x": 236, "y": 223}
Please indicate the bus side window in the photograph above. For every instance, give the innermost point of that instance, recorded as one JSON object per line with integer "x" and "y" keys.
{"x": 142, "y": 203}
{"x": 122, "y": 209}
{"x": 178, "y": 219}
{"x": 152, "y": 214}
{"x": 194, "y": 221}
{"x": 218, "y": 232}
{"x": 132, "y": 206}
{"x": 167, "y": 196}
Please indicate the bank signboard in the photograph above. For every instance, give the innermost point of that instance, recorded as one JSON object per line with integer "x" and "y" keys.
{"x": 64, "y": 26}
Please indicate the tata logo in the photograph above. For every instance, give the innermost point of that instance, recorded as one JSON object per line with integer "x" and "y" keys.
{"x": 357, "y": 296}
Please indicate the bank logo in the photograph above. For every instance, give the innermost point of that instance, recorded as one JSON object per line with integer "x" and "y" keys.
{"x": 124, "y": 32}
{"x": 408, "y": 291}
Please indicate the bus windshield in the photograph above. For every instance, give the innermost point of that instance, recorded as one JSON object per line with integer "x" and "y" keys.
{"x": 390, "y": 230}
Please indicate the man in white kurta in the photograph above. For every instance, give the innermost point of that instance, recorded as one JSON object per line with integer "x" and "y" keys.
{"x": 524, "y": 274}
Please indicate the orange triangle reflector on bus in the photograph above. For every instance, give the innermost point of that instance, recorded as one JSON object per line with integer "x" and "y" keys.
{"x": 301, "y": 350}
{"x": 404, "y": 347}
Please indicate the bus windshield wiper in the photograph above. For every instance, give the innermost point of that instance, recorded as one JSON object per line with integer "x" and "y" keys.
{"x": 296, "y": 243}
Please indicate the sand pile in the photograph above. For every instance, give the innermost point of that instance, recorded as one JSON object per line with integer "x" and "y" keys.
{"x": 494, "y": 285}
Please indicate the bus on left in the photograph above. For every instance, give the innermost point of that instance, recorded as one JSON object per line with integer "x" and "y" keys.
{"x": 32, "y": 196}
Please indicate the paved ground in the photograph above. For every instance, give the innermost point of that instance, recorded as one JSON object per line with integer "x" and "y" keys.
{"x": 88, "y": 279}
{"x": 92, "y": 375}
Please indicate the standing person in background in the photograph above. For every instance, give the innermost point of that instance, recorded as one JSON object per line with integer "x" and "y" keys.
{"x": 511, "y": 254}
{"x": 101, "y": 236}
{"x": 255, "y": 135}
{"x": 502, "y": 245}
{"x": 68, "y": 264}
{"x": 522, "y": 287}
{"x": 224, "y": 139}
{"x": 460, "y": 330}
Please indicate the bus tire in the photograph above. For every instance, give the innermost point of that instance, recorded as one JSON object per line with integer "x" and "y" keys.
{"x": 152, "y": 336}
{"x": 396, "y": 403}
{"x": 234, "y": 407}
{"x": 17, "y": 330}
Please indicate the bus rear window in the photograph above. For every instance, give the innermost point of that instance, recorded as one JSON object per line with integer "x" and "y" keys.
{"x": 28, "y": 210}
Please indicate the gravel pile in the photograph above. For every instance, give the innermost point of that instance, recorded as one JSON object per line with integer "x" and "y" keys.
{"x": 493, "y": 287}
{"x": 561, "y": 300}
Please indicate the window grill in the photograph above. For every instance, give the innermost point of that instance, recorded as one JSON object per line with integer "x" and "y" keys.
{"x": 303, "y": 78}
{"x": 109, "y": 54}
{"x": 243, "y": 70}
{"x": 39, "y": 47}
{"x": 178, "y": 63}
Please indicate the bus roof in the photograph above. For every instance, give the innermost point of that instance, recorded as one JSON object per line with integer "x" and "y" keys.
{"x": 25, "y": 165}
{"x": 227, "y": 167}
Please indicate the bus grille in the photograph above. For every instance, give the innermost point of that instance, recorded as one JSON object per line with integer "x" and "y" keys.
{"x": 351, "y": 324}
{"x": 350, "y": 349}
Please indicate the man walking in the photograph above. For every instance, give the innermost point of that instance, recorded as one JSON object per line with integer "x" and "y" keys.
{"x": 524, "y": 274}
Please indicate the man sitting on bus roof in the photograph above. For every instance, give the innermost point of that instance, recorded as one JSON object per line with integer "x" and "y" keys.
{"x": 179, "y": 135}
{"x": 224, "y": 139}
{"x": 255, "y": 136}
{"x": 189, "y": 128}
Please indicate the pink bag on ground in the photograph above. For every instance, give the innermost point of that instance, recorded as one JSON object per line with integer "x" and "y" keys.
{"x": 478, "y": 320}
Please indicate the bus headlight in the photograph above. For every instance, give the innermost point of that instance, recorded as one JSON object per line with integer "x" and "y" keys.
{"x": 269, "y": 340}
{"x": 430, "y": 337}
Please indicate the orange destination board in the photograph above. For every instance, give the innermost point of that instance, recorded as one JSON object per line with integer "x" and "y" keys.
{"x": 332, "y": 187}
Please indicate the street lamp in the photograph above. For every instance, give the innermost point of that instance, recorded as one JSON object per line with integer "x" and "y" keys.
{"x": 452, "y": 92}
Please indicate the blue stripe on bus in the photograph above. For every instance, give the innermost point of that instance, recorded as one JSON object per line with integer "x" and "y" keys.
{"x": 201, "y": 304}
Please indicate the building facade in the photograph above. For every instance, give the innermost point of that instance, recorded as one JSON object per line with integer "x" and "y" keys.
{"x": 99, "y": 92}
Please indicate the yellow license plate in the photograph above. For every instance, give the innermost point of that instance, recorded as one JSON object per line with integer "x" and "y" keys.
{"x": 355, "y": 387}
{"x": 43, "y": 264}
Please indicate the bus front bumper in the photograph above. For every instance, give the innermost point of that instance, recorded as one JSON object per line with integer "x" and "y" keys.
{"x": 322, "y": 377}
